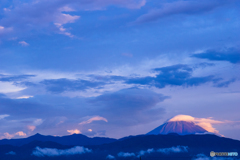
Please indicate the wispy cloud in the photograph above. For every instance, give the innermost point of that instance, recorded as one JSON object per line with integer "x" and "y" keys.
{"x": 126, "y": 154}
{"x": 23, "y": 43}
{"x": 179, "y": 7}
{"x": 11, "y": 153}
{"x": 31, "y": 128}
{"x": 110, "y": 157}
{"x": 4, "y": 116}
{"x": 177, "y": 149}
{"x": 143, "y": 152}
{"x": 46, "y": 14}
{"x": 51, "y": 152}
{"x": 96, "y": 118}
{"x": 24, "y": 97}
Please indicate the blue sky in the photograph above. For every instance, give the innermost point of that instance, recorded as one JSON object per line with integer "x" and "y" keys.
{"x": 117, "y": 67}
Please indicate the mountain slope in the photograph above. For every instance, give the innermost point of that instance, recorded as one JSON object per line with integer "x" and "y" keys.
{"x": 179, "y": 127}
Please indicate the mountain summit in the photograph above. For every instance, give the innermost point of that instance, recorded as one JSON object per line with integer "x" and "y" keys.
{"x": 180, "y": 124}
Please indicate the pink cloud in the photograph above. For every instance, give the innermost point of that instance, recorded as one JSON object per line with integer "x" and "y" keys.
{"x": 205, "y": 123}
{"x": 31, "y": 128}
{"x": 9, "y": 136}
{"x": 74, "y": 131}
{"x": 96, "y": 118}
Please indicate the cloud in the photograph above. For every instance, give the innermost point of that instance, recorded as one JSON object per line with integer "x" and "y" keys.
{"x": 4, "y": 116}
{"x": 51, "y": 152}
{"x": 37, "y": 15}
{"x": 142, "y": 152}
{"x": 110, "y": 157}
{"x": 129, "y": 106}
{"x": 204, "y": 157}
{"x": 75, "y": 131}
{"x": 229, "y": 55}
{"x": 23, "y": 43}
{"x": 96, "y": 118}
{"x": 177, "y": 149}
{"x": 31, "y": 128}
{"x": 179, "y": 7}
{"x": 25, "y": 107}
{"x": 10, "y": 136}
{"x": 4, "y": 31}
{"x": 11, "y": 153}
{"x": 14, "y": 78}
{"x": 63, "y": 84}
{"x": 24, "y": 97}
{"x": 176, "y": 75}
{"x": 225, "y": 83}
{"x": 205, "y": 123}
{"x": 126, "y": 154}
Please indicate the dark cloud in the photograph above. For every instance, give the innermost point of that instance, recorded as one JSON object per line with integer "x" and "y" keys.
{"x": 13, "y": 78}
{"x": 203, "y": 65}
{"x": 22, "y": 107}
{"x": 231, "y": 55}
{"x": 129, "y": 106}
{"x": 43, "y": 106}
{"x": 126, "y": 107}
{"x": 108, "y": 78}
{"x": 176, "y": 75}
{"x": 225, "y": 83}
{"x": 63, "y": 84}
{"x": 180, "y": 7}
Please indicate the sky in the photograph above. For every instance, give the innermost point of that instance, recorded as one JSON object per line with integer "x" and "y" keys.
{"x": 115, "y": 68}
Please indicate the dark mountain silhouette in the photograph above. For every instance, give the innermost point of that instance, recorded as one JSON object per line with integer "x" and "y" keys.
{"x": 75, "y": 139}
{"x": 179, "y": 127}
{"x": 196, "y": 144}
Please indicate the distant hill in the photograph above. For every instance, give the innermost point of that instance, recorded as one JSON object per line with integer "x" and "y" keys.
{"x": 75, "y": 139}
{"x": 169, "y": 145}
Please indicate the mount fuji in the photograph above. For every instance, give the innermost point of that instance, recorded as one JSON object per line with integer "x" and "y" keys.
{"x": 180, "y": 124}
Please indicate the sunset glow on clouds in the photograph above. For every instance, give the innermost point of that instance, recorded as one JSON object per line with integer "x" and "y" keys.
{"x": 17, "y": 134}
{"x": 119, "y": 67}
{"x": 205, "y": 123}
{"x": 97, "y": 118}
{"x": 75, "y": 131}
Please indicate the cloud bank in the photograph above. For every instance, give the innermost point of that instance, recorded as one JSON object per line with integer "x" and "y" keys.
{"x": 110, "y": 157}
{"x": 178, "y": 149}
{"x": 11, "y": 153}
{"x": 204, "y": 157}
{"x": 51, "y": 152}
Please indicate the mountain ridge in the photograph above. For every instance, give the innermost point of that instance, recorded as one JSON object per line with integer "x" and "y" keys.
{"x": 75, "y": 139}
